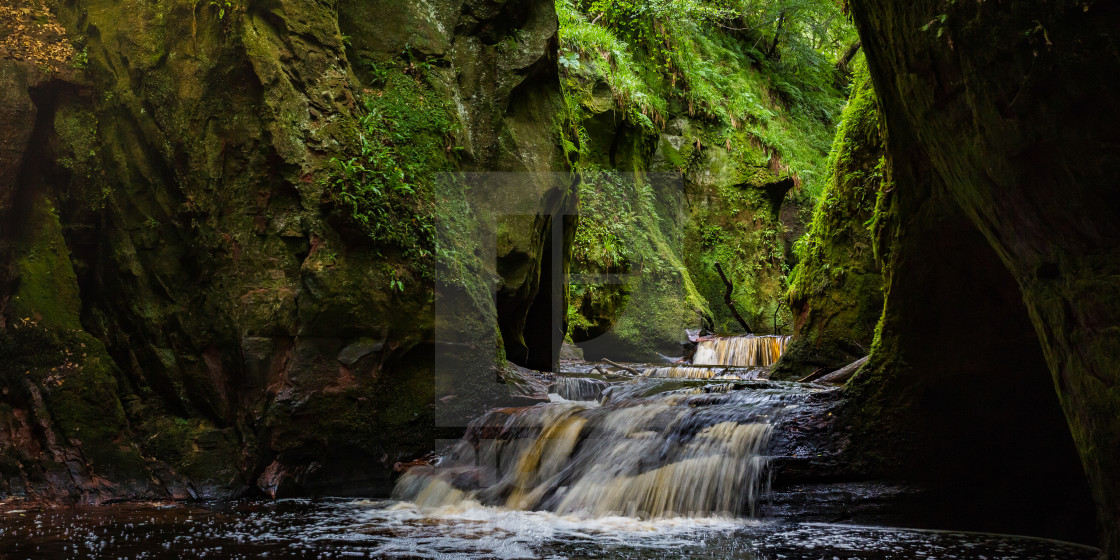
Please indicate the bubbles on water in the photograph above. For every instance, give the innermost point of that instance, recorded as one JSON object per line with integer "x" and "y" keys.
{"x": 470, "y": 531}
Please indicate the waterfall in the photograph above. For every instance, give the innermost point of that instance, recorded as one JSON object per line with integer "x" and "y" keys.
{"x": 692, "y": 372}
{"x": 577, "y": 388}
{"x": 675, "y": 454}
{"x": 742, "y": 351}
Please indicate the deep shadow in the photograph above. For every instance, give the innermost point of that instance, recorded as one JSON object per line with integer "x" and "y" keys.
{"x": 965, "y": 405}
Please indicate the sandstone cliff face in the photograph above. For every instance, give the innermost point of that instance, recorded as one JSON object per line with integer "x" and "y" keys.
{"x": 1000, "y": 131}
{"x": 186, "y": 309}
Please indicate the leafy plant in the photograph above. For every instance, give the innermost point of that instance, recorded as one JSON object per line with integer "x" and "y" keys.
{"x": 570, "y": 60}
{"x": 383, "y": 189}
{"x": 80, "y": 60}
{"x": 710, "y": 58}
{"x": 378, "y": 73}
{"x": 224, "y": 7}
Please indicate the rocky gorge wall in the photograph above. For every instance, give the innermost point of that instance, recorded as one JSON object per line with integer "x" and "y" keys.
{"x": 192, "y": 302}
{"x": 836, "y": 290}
{"x": 1002, "y": 231}
{"x": 695, "y": 151}
{"x": 954, "y": 398}
{"x": 227, "y": 267}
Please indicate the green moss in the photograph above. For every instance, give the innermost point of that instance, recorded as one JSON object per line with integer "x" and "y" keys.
{"x": 627, "y": 231}
{"x": 48, "y": 288}
{"x": 78, "y": 383}
{"x": 683, "y": 96}
{"x": 655, "y": 65}
{"x": 738, "y": 229}
{"x": 194, "y": 447}
{"x": 836, "y": 289}
{"x": 78, "y": 146}
{"x": 384, "y": 190}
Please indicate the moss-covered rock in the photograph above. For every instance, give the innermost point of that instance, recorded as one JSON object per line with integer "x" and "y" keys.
{"x": 715, "y": 160}
{"x": 1003, "y": 196}
{"x": 836, "y": 289}
{"x": 263, "y": 323}
{"x": 632, "y": 296}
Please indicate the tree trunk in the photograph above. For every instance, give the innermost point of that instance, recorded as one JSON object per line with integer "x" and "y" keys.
{"x": 772, "y": 52}
{"x": 849, "y": 54}
{"x": 730, "y": 303}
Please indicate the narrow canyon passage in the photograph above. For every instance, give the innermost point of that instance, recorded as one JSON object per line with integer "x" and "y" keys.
{"x": 754, "y": 279}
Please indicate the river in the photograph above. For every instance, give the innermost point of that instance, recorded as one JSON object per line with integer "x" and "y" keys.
{"x": 674, "y": 463}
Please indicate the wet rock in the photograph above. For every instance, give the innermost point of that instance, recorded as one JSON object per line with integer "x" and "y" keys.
{"x": 526, "y": 386}
{"x": 571, "y": 352}
{"x": 578, "y": 388}
{"x": 359, "y": 349}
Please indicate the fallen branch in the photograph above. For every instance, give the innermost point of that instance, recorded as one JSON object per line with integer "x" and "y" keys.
{"x": 620, "y": 366}
{"x": 820, "y": 372}
{"x": 842, "y": 375}
{"x": 846, "y": 59}
{"x": 729, "y": 302}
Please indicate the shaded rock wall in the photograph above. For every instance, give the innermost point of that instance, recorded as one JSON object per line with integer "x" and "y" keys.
{"x": 721, "y": 208}
{"x": 183, "y": 315}
{"x": 1000, "y": 130}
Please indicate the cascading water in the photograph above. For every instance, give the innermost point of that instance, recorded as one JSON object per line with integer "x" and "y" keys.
{"x": 683, "y": 453}
{"x": 577, "y": 388}
{"x": 742, "y": 351}
{"x": 657, "y": 450}
{"x": 693, "y": 372}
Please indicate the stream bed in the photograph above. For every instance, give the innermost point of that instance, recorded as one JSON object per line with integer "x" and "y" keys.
{"x": 599, "y": 472}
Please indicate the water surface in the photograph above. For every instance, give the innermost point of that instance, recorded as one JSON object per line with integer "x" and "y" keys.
{"x": 385, "y": 529}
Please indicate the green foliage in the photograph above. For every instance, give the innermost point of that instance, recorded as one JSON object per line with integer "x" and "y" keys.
{"x": 841, "y": 221}
{"x": 611, "y": 207}
{"x": 384, "y": 188}
{"x": 756, "y": 80}
{"x": 706, "y": 58}
{"x": 628, "y": 14}
{"x": 378, "y": 73}
{"x": 600, "y": 51}
{"x": 570, "y": 61}
{"x": 81, "y": 59}
{"x": 837, "y": 283}
{"x": 224, "y": 7}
